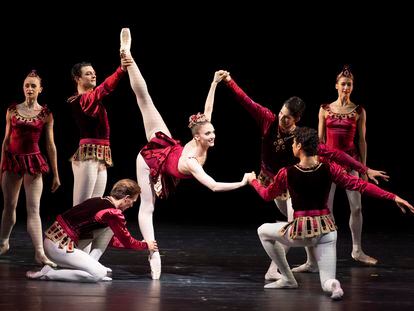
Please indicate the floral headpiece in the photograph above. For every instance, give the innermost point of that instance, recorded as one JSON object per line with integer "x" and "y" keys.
{"x": 197, "y": 118}
{"x": 346, "y": 72}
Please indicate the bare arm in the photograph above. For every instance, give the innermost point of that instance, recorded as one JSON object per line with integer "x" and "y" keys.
{"x": 198, "y": 172}
{"x": 52, "y": 153}
{"x": 362, "y": 144}
{"x": 321, "y": 125}
{"x": 208, "y": 107}
{"x": 6, "y": 141}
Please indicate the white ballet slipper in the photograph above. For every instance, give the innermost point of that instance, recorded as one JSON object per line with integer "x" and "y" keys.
{"x": 125, "y": 41}
{"x": 283, "y": 283}
{"x": 39, "y": 275}
{"x": 272, "y": 275}
{"x": 155, "y": 264}
{"x": 306, "y": 268}
{"x": 337, "y": 291}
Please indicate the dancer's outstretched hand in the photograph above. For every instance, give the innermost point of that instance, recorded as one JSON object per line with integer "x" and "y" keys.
{"x": 374, "y": 174}
{"x": 403, "y": 204}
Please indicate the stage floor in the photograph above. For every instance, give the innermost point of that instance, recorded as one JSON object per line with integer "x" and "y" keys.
{"x": 214, "y": 268}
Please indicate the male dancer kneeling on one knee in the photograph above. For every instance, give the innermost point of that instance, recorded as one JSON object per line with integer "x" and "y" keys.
{"x": 82, "y": 221}
{"x": 308, "y": 183}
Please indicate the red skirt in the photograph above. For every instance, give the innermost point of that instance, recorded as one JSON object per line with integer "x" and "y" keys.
{"x": 33, "y": 164}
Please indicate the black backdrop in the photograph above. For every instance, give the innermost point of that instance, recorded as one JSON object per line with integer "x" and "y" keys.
{"x": 272, "y": 53}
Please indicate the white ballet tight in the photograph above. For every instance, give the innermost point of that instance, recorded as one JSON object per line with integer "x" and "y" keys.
{"x": 89, "y": 181}
{"x": 355, "y": 219}
{"x": 324, "y": 250}
{"x": 153, "y": 123}
{"x": 33, "y": 186}
{"x": 81, "y": 266}
{"x": 146, "y": 208}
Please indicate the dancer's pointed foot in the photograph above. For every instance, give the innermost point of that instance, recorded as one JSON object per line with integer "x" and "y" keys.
{"x": 283, "y": 283}
{"x": 306, "y": 268}
{"x": 39, "y": 275}
{"x": 155, "y": 264}
{"x": 42, "y": 259}
{"x": 337, "y": 291}
{"x": 125, "y": 42}
{"x": 4, "y": 247}
{"x": 362, "y": 257}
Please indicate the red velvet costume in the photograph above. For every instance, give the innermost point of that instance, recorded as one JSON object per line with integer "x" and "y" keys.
{"x": 96, "y": 213}
{"x": 23, "y": 155}
{"x": 161, "y": 154}
{"x": 91, "y": 117}
{"x": 276, "y": 149}
{"x": 309, "y": 190}
{"x": 341, "y": 130}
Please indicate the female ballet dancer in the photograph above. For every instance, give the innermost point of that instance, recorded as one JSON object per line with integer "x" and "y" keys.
{"x": 163, "y": 161}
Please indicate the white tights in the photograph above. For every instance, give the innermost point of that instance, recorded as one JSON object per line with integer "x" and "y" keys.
{"x": 146, "y": 208}
{"x": 355, "y": 218}
{"x": 33, "y": 186}
{"x": 153, "y": 122}
{"x": 324, "y": 250}
{"x": 89, "y": 181}
{"x": 82, "y": 267}
{"x": 152, "y": 119}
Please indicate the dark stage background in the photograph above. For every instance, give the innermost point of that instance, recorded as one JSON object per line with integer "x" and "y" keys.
{"x": 272, "y": 54}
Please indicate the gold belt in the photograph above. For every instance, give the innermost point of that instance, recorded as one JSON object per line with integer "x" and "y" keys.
{"x": 56, "y": 234}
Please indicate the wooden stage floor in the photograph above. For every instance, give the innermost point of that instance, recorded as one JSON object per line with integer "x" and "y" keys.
{"x": 214, "y": 268}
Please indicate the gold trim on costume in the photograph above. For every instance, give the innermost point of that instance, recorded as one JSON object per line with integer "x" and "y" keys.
{"x": 305, "y": 227}
{"x": 56, "y": 234}
{"x": 93, "y": 152}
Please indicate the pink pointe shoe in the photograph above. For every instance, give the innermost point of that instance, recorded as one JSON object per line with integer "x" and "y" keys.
{"x": 125, "y": 42}
{"x": 39, "y": 275}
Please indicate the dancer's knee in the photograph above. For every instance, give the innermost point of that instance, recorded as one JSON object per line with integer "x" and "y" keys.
{"x": 262, "y": 231}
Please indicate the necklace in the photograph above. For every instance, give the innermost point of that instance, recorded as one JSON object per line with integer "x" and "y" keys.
{"x": 309, "y": 168}
{"x": 279, "y": 143}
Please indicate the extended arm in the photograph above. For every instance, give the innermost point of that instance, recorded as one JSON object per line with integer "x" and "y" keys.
{"x": 344, "y": 180}
{"x": 90, "y": 102}
{"x": 197, "y": 171}
{"x": 263, "y": 116}
{"x": 208, "y": 107}
{"x": 122, "y": 238}
{"x": 277, "y": 188}
{"x": 344, "y": 159}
